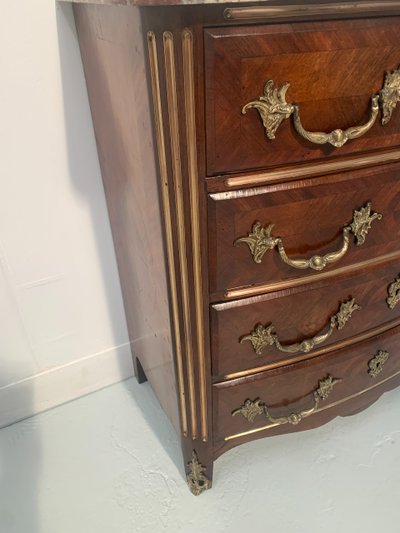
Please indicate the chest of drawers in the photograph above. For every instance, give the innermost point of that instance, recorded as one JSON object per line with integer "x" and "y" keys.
{"x": 260, "y": 262}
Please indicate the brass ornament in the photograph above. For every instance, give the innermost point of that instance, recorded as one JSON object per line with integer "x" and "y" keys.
{"x": 274, "y": 109}
{"x": 259, "y": 240}
{"x": 362, "y": 222}
{"x": 394, "y": 293}
{"x": 196, "y": 479}
{"x": 375, "y": 366}
{"x": 251, "y": 409}
{"x": 390, "y": 95}
{"x": 261, "y": 336}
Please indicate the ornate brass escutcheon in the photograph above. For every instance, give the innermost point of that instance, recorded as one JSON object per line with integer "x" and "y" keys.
{"x": 261, "y": 336}
{"x": 393, "y": 293}
{"x": 274, "y": 109}
{"x": 251, "y": 409}
{"x": 259, "y": 240}
{"x": 375, "y": 366}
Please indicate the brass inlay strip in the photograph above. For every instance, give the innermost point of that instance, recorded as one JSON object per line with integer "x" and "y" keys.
{"x": 337, "y": 346}
{"x": 159, "y": 130}
{"x": 283, "y": 285}
{"x": 172, "y": 100}
{"x": 322, "y": 408}
{"x": 188, "y": 79}
{"x": 271, "y": 12}
{"x": 289, "y": 174}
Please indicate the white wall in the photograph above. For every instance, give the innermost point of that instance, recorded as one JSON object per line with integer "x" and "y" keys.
{"x": 62, "y": 326}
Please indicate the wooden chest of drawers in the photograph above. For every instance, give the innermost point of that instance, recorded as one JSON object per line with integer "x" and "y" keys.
{"x": 263, "y": 299}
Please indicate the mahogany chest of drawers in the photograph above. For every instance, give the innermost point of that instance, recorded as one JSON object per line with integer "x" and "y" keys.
{"x": 260, "y": 263}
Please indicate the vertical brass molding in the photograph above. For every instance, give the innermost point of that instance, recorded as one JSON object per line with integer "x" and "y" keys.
{"x": 172, "y": 101}
{"x": 188, "y": 81}
{"x": 159, "y": 130}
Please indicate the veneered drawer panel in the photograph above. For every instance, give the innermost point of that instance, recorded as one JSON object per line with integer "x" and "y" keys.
{"x": 320, "y": 314}
{"x": 333, "y": 68}
{"x": 291, "y": 390}
{"x": 309, "y": 216}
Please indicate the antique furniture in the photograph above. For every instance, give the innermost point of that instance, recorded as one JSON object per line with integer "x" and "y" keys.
{"x": 264, "y": 298}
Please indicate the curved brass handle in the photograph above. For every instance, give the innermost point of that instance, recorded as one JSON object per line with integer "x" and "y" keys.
{"x": 316, "y": 262}
{"x": 337, "y": 137}
{"x": 261, "y": 336}
{"x": 274, "y": 109}
{"x": 250, "y": 409}
{"x": 260, "y": 240}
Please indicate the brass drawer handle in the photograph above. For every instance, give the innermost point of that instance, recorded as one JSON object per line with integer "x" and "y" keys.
{"x": 260, "y": 240}
{"x": 336, "y": 137}
{"x": 261, "y": 336}
{"x": 274, "y": 109}
{"x": 250, "y": 409}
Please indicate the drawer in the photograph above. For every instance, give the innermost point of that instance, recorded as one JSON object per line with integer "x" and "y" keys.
{"x": 331, "y": 71}
{"x": 250, "y": 333}
{"x": 309, "y": 393}
{"x": 309, "y": 217}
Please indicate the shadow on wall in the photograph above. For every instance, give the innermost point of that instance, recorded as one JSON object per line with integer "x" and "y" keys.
{"x": 85, "y": 175}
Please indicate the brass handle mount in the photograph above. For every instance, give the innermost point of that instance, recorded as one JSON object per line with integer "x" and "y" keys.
{"x": 251, "y": 409}
{"x": 261, "y": 336}
{"x": 274, "y": 109}
{"x": 259, "y": 240}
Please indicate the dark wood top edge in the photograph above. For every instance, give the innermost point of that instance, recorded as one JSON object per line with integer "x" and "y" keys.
{"x": 263, "y": 10}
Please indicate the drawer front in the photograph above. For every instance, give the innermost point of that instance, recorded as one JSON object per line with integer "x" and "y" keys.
{"x": 288, "y": 325}
{"x": 306, "y": 394}
{"x": 322, "y": 79}
{"x": 309, "y": 218}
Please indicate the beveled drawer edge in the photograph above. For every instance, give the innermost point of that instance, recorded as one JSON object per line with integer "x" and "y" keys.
{"x": 301, "y": 171}
{"x": 248, "y": 292}
{"x": 338, "y": 8}
{"x": 320, "y": 409}
{"x": 322, "y": 351}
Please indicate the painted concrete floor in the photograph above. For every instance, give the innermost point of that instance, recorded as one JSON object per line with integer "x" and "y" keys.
{"x": 110, "y": 463}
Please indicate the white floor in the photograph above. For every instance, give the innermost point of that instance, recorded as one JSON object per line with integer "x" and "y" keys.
{"x": 110, "y": 463}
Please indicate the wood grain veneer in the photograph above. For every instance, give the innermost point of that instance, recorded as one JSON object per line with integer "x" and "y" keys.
{"x": 310, "y": 308}
{"x": 189, "y": 293}
{"x": 240, "y": 60}
{"x": 309, "y": 216}
{"x": 299, "y": 381}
